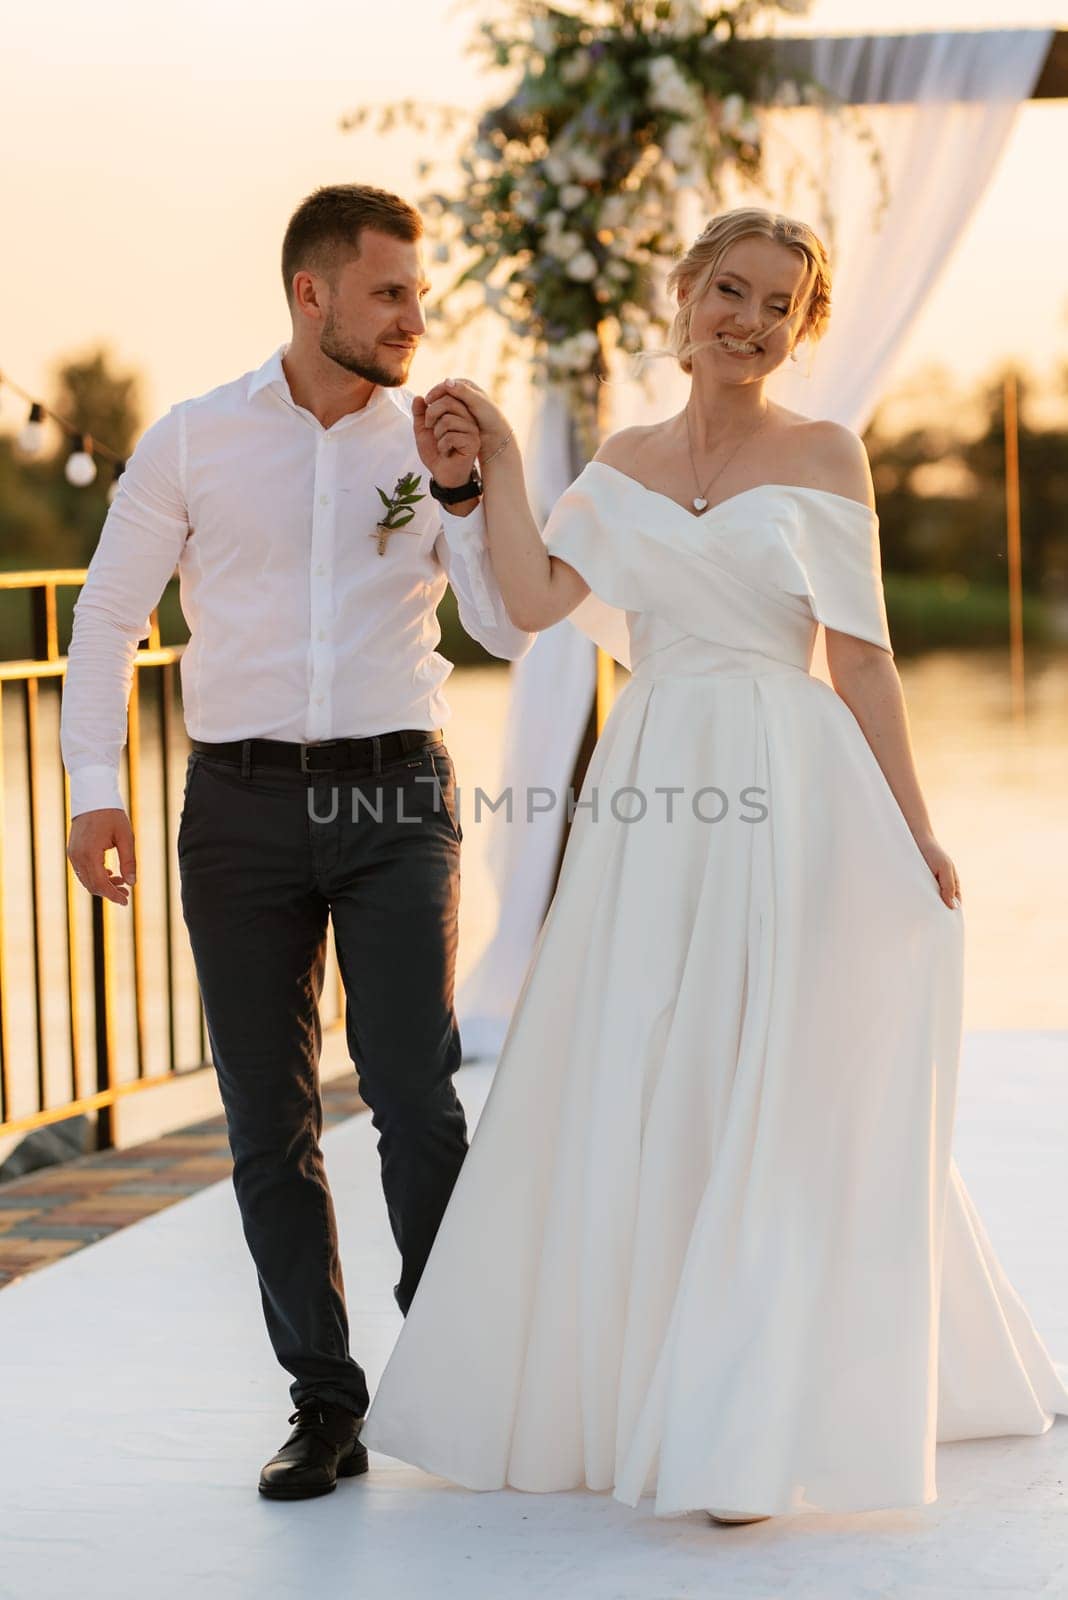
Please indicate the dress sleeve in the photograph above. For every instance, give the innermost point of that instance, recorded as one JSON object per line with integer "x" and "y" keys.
{"x": 577, "y": 532}
{"x": 840, "y": 569}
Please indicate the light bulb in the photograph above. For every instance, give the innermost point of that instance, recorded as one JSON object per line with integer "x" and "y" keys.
{"x": 31, "y": 438}
{"x": 81, "y": 468}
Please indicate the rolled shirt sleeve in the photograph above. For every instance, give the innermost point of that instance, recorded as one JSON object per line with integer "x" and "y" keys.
{"x": 463, "y": 552}
{"x": 140, "y": 544}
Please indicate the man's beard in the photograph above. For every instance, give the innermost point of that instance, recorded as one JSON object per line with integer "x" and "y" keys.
{"x": 359, "y": 361}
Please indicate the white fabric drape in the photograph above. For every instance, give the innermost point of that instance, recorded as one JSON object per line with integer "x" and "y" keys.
{"x": 548, "y": 708}
{"x": 948, "y": 102}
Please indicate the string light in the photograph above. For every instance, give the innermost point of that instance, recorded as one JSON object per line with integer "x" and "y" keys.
{"x": 31, "y": 439}
{"x": 80, "y": 468}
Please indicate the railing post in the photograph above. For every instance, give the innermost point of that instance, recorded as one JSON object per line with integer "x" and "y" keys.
{"x": 104, "y": 1021}
{"x": 45, "y": 629}
{"x": 5, "y": 1054}
{"x": 101, "y": 1096}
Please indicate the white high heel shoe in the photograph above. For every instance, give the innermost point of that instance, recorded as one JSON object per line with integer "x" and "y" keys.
{"x": 735, "y": 1517}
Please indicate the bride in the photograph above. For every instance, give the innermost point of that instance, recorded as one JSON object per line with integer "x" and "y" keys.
{"x": 709, "y": 1240}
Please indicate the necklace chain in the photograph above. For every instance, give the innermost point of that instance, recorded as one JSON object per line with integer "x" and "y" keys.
{"x": 700, "y": 499}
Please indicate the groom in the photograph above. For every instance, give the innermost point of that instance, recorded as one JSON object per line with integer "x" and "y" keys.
{"x": 319, "y": 786}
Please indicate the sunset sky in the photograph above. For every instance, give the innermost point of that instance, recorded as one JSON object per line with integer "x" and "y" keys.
{"x": 153, "y": 155}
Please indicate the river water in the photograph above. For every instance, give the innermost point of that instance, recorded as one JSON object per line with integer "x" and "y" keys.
{"x": 996, "y": 788}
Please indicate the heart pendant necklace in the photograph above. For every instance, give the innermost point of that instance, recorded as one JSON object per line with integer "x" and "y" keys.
{"x": 700, "y": 499}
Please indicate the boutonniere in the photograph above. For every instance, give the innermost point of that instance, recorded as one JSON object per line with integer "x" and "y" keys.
{"x": 399, "y": 508}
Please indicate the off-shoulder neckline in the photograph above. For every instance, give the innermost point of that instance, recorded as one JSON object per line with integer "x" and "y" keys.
{"x": 798, "y": 488}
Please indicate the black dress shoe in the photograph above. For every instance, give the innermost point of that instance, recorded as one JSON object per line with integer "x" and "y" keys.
{"x": 324, "y": 1446}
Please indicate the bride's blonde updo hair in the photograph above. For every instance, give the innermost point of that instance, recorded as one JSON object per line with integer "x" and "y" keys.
{"x": 692, "y": 274}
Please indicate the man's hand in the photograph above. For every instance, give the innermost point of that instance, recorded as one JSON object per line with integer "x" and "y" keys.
{"x": 92, "y": 834}
{"x": 463, "y": 395}
{"x": 447, "y": 438}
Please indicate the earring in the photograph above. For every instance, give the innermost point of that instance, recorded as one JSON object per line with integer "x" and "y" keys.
{"x": 793, "y": 355}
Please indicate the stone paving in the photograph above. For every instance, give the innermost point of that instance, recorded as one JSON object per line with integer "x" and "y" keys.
{"x": 59, "y": 1209}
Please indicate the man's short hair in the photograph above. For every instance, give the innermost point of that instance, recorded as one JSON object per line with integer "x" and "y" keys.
{"x": 324, "y": 231}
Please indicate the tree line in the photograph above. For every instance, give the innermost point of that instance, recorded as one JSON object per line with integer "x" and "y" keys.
{"x": 939, "y": 476}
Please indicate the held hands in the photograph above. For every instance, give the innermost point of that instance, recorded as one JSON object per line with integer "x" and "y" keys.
{"x": 942, "y": 867}
{"x": 92, "y": 834}
{"x": 455, "y": 423}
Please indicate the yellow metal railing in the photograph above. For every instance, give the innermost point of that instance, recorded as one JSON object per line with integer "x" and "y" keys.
{"x": 21, "y": 680}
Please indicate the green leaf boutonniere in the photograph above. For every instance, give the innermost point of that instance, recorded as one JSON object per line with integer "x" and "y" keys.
{"x": 399, "y": 508}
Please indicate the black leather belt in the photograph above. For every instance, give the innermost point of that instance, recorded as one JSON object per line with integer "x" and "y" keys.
{"x": 331, "y": 755}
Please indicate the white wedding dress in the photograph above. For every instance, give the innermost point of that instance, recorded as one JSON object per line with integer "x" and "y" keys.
{"x": 709, "y": 1240}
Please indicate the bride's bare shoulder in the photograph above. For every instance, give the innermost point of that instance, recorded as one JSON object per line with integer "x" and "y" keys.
{"x": 621, "y": 448}
{"x": 835, "y": 458}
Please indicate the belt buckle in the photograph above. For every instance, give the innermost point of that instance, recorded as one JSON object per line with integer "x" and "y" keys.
{"x": 327, "y": 744}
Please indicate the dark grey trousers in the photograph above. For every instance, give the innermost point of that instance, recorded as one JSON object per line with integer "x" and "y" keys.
{"x": 265, "y": 859}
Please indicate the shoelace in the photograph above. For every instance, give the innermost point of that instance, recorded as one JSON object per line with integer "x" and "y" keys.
{"x": 308, "y": 1416}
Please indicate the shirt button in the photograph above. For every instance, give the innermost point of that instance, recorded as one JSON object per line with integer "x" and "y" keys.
{"x": 322, "y": 633}
{"x": 324, "y": 499}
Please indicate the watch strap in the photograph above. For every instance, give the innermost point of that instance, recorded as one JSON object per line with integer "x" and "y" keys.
{"x": 464, "y": 491}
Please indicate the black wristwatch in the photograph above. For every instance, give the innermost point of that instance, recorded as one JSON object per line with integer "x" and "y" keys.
{"x": 466, "y": 491}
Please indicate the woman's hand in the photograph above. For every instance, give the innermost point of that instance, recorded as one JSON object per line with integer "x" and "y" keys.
{"x": 942, "y": 867}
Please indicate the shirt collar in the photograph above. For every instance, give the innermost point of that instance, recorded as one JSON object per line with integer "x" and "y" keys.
{"x": 273, "y": 373}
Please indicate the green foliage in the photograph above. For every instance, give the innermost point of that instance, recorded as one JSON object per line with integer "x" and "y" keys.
{"x": 568, "y": 197}
{"x": 400, "y": 505}
{"x": 944, "y": 553}
{"x": 961, "y": 536}
{"x": 100, "y": 402}
{"x": 44, "y": 520}
{"x": 951, "y": 612}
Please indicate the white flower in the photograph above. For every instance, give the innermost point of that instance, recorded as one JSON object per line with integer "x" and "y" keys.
{"x": 575, "y": 353}
{"x": 787, "y": 94}
{"x": 544, "y": 35}
{"x": 669, "y": 90}
{"x": 582, "y": 267}
{"x": 731, "y": 113}
{"x": 563, "y": 245}
{"x": 575, "y": 67}
{"x": 687, "y": 18}
{"x": 749, "y": 131}
{"x": 526, "y": 207}
{"x": 572, "y": 195}
{"x": 618, "y": 270}
{"x": 679, "y": 144}
{"x": 614, "y": 212}
{"x": 585, "y": 164}
{"x": 557, "y": 169}
{"x": 554, "y": 219}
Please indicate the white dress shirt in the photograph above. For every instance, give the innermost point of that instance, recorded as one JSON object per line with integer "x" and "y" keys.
{"x": 299, "y": 629}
